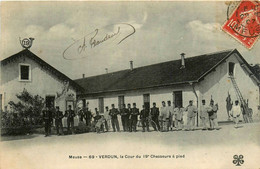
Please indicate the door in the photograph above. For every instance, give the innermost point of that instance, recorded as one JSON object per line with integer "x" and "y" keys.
{"x": 49, "y": 101}
{"x": 177, "y": 98}
{"x": 101, "y": 105}
{"x": 121, "y": 101}
{"x": 1, "y": 106}
{"x": 147, "y": 101}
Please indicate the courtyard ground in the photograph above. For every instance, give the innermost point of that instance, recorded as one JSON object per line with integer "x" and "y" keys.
{"x": 177, "y": 149}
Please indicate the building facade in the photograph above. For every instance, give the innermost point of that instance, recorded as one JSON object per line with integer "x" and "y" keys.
{"x": 25, "y": 70}
{"x": 196, "y": 78}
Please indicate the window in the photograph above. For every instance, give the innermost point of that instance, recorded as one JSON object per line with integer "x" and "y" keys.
{"x": 101, "y": 105}
{"x": 231, "y": 67}
{"x": 121, "y": 101}
{"x": 177, "y": 98}
{"x": 24, "y": 72}
{"x": 147, "y": 101}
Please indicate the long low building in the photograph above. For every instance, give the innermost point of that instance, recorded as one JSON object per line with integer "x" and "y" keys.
{"x": 213, "y": 75}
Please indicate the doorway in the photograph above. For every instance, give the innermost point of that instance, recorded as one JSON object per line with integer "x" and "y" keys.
{"x": 49, "y": 101}
{"x": 177, "y": 98}
{"x": 147, "y": 101}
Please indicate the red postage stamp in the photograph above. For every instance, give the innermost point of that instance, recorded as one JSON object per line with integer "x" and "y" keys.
{"x": 244, "y": 23}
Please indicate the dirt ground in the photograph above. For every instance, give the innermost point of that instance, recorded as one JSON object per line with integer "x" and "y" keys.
{"x": 176, "y": 149}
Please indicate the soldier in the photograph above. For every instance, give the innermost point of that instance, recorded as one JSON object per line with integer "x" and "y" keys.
{"x": 144, "y": 116}
{"x": 129, "y": 116}
{"x": 155, "y": 116}
{"x": 99, "y": 120}
{"x": 134, "y": 116}
{"x": 236, "y": 112}
{"x": 58, "y": 120}
{"x": 107, "y": 118}
{"x": 192, "y": 112}
{"x": 204, "y": 115}
{"x": 163, "y": 117}
{"x": 124, "y": 117}
{"x": 213, "y": 115}
{"x": 70, "y": 114}
{"x": 47, "y": 117}
{"x": 169, "y": 115}
{"x": 178, "y": 113}
{"x": 113, "y": 113}
{"x": 88, "y": 117}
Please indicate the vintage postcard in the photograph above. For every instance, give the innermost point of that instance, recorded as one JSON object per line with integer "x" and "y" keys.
{"x": 130, "y": 84}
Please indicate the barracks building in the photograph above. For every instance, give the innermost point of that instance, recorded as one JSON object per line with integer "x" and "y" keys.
{"x": 213, "y": 75}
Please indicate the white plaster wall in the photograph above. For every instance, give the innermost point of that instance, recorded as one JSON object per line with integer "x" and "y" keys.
{"x": 42, "y": 82}
{"x": 218, "y": 84}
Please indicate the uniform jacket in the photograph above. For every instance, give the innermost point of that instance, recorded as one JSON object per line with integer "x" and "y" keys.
{"x": 236, "y": 111}
{"x": 58, "y": 115}
{"x": 211, "y": 112}
{"x": 204, "y": 111}
{"x": 134, "y": 113}
{"x": 47, "y": 114}
{"x": 192, "y": 110}
{"x": 178, "y": 112}
{"x": 124, "y": 112}
{"x": 144, "y": 114}
{"x": 113, "y": 113}
{"x": 154, "y": 112}
{"x": 70, "y": 114}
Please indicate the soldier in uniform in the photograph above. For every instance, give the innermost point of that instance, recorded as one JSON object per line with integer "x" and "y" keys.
{"x": 70, "y": 114}
{"x": 107, "y": 119}
{"x": 213, "y": 115}
{"x": 155, "y": 116}
{"x": 163, "y": 117}
{"x": 88, "y": 117}
{"x": 178, "y": 113}
{"x": 58, "y": 120}
{"x": 192, "y": 112}
{"x": 169, "y": 115}
{"x": 134, "y": 116}
{"x": 47, "y": 117}
{"x": 204, "y": 115}
{"x": 113, "y": 113}
{"x": 129, "y": 116}
{"x": 124, "y": 117}
{"x": 144, "y": 116}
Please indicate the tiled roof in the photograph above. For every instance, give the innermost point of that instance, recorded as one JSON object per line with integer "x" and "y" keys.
{"x": 156, "y": 75}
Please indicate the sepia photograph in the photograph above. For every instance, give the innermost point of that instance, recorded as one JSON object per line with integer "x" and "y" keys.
{"x": 130, "y": 84}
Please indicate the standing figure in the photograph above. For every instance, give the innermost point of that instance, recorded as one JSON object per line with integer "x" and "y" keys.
{"x": 88, "y": 117}
{"x": 107, "y": 119}
{"x": 47, "y": 117}
{"x": 144, "y": 116}
{"x": 235, "y": 113}
{"x": 113, "y": 113}
{"x": 124, "y": 117}
{"x": 155, "y": 116}
{"x": 134, "y": 116}
{"x": 204, "y": 116}
{"x": 228, "y": 105}
{"x": 192, "y": 112}
{"x": 163, "y": 117}
{"x": 213, "y": 115}
{"x": 70, "y": 114}
{"x": 129, "y": 116}
{"x": 58, "y": 120}
{"x": 178, "y": 112}
{"x": 169, "y": 116}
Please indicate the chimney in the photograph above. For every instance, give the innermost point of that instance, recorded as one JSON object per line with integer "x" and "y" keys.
{"x": 182, "y": 60}
{"x": 83, "y": 75}
{"x": 131, "y": 65}
{"x": 106, "y": 70}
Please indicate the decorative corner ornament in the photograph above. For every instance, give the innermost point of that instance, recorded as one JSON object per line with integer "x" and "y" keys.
{"x": 26, "y": 43}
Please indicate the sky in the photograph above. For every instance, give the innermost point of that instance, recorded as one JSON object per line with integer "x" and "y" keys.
{"x": 158, "y": 32}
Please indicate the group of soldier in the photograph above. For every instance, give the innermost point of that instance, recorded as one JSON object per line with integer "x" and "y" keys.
{"x": 164, "y": 119}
